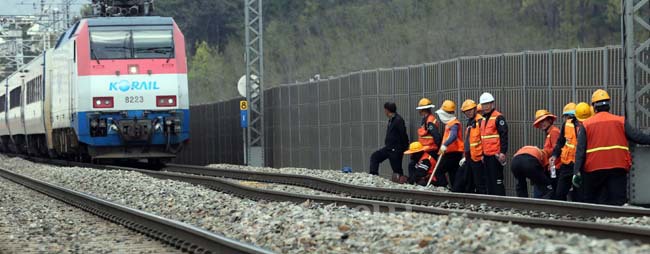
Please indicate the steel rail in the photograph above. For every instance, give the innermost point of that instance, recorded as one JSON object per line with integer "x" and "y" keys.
{"x": 428, "y": 198}
{"x": 598, "y": 230}
{"x": 180, "y": 235}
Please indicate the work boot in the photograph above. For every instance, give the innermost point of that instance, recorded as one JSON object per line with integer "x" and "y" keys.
{"x": 403, "y": 179}
{"x": 549, "y": 193}
{"x": 395, "y": 178}
{"x": 423, "y": 181}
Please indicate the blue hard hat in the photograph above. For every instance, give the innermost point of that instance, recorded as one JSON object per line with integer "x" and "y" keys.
{"x": 346, "y": 170}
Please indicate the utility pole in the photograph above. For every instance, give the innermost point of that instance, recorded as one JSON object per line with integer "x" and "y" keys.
{"x": 254, "y": 92}
{"x": 636, "y": 43}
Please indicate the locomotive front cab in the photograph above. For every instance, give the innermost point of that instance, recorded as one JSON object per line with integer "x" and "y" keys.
{"x": 134, "y": 101}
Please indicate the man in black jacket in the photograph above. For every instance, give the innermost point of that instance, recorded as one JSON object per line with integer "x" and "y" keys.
{"x": 395, "y": 144}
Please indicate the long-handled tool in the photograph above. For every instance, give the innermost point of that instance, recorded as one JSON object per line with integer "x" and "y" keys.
{"x": 435, "y": 169}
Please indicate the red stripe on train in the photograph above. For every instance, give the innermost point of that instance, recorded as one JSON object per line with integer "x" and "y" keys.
{"x": 88, "y": 67}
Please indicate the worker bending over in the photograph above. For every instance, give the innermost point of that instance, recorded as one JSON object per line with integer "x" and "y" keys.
{"x": 530, "y": 162}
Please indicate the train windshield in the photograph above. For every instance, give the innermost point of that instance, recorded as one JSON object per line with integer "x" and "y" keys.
{"x": 131, "y": 44}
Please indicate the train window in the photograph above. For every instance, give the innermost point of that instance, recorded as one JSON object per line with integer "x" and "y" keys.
{"x": 130, "y": 44}
{"x": 14, "y": 98}
{"x": 110, "y": 44}
{"x": 2, "y": 103}
{"x": 153, "y": 44}
{"x": 34, "y": 88}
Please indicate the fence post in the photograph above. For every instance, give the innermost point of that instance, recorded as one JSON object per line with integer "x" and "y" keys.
{"x": 363, "y": 133}
{"x": 458, "y": 80}
{"x": 605, "y": 67}
{"x": 320, "y": 159}
{"x": 550, "y": 79}
{"x": 525, "y": 91}
{"x": 574, "y": 73}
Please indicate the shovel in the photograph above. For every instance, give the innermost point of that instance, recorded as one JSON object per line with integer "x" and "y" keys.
{"x": 434, "y": 170}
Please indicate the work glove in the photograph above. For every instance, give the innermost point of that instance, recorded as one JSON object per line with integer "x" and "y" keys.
{"x": 577, "y": 180}
{"x": 551, "y": 161}
{"x": 443, "y": 149}
{"x": 502, "y": 158}
{"x": 461, "y": 162}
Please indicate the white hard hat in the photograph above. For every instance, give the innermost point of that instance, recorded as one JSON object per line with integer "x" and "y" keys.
{"x": 486, "y": 98}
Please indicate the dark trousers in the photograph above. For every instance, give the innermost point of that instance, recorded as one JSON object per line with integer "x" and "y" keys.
{"x": 478, "y": 176}
{"x": 494, "y": 176}
{"x": 611, "y": 183}
{"x": 448, "y": 166}
{"x": 526, "y": 166}
{"x": 393, "y": 155}
{"x": 416, "y": 175}
{"x": 464, "y": 182}
{"x": 564, "y": 184}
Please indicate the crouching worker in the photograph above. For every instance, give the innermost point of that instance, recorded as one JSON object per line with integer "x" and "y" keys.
{"x": 421, "y": 165}
{"x": 530, "y": 162}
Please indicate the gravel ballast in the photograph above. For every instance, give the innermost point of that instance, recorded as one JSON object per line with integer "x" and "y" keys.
{"x": 31, "y": 222}
{"x": 363, "y": 179}
{"x": 312, "y": 228}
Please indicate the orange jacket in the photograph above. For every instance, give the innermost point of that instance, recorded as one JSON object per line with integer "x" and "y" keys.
{"x": 607, "y": 146}
{"x": 539, "y": 154}
{"x": 568, "y": 155}
{"x": 426, "y": 156}
{"x": 424, "y": 137}
{"x": 458, "y": 145}
{"x": 474, "y": 137}
{"x": 490, "y": 135}
{"x": 552, "y": 134}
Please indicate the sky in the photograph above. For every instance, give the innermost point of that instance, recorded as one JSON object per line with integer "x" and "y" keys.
{"x": 26, "y": 7}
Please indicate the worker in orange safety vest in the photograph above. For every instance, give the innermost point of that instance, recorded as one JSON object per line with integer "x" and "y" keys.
{"x": 422, "y": 163}
{"x": 494, "y": 138}
{"x": 530, "y": 162}
{"x": 451, "y": 148}
{"x": 471, "y": 166}
{"x": 544, "y": 121}
{"x": 603, "y": 153}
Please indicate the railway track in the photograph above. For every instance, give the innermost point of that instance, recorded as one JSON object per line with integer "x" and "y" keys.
{"x": 599, "y": 230}
{"x": 416, "y": 197}
{"x": 180, "y": 235}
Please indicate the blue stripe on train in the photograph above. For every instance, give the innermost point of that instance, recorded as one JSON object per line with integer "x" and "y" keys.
{"x": 81, "y": 124}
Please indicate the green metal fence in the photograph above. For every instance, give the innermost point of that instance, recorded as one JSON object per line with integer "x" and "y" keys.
{"x": 339, "y": 121}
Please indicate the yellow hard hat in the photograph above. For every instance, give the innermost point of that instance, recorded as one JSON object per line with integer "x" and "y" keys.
{"x": 425, "y": 103}
{"x": 541, "y": 115}
{"x": 416, "y": 147}
{"x": 467, "y": 105}
{"x": 448, "y": 106}
{"x": 600, "y": 95}
{"x": 583, "y": 111}
{"x": 569, "y": 109}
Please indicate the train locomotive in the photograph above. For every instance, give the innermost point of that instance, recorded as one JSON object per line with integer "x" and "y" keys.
{"x": 111, "y": 88}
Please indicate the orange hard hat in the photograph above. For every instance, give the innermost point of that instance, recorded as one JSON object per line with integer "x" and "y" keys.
{"x": 541, "y": 115}
{"x": 467, "y": 105}
{"x": 583, "y": 111}
{"x": 449, "y": 106}
{"x": 601, "y": 96}
{"x": 425, "y": 103}
{"x": 416, "y": 147}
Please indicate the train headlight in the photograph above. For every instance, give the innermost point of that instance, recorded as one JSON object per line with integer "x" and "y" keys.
{"x": 102, "y": 102}
{"x": 133, "y": 69}
{"x": 166, "y": 101}
{"x": 94, "y": 123}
